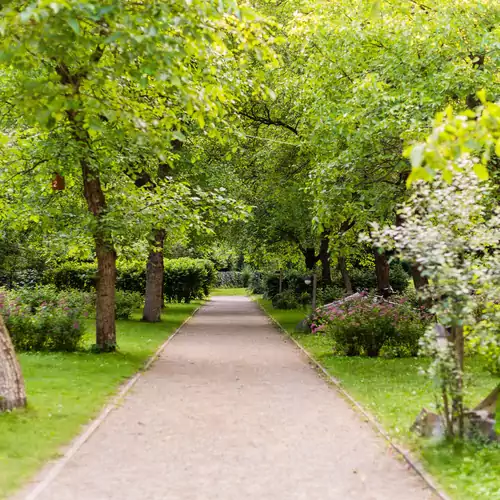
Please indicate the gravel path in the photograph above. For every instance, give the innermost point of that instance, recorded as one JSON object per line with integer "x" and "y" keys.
{"x": 233, "y": 411}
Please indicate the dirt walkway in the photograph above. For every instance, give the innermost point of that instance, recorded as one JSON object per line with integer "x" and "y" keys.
{"x": 232, "y": 411}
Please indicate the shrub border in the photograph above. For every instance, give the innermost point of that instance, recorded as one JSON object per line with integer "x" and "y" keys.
{"x": 49, "y": 473}
{"x": 411, "y": 460}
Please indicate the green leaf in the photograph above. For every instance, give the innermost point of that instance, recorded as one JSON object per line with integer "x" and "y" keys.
{"x": 481, "y": 171}
{"x": 74, "y": 24}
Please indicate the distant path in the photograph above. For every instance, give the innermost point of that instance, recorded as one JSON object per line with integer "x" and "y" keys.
{"x": 233, "y": 411}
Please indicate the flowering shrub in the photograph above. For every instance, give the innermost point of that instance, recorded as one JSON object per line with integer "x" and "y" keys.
{"x": 450, "y": 230}
{"x": 366, "y": 328}
{"x": 39, "y": 319}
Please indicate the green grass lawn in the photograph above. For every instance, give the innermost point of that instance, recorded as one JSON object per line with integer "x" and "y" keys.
{"x": 229, "y": 291}
{"x": 394, "y": 391}
{"x": 65, "y": 390}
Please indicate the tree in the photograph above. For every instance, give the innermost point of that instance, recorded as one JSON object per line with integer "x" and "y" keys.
{"x": 12, "y": 391}
{"x": 451, "y": 231}
{"x": 101, "y": 81}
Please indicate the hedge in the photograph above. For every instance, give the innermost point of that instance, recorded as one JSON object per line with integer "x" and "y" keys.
{"x": 185, "y": 278}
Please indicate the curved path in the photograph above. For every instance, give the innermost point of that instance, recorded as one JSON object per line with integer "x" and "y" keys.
{"x": 233, "y": 411}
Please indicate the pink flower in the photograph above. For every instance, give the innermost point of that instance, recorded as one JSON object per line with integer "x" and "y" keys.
{"x": 76, "y": 325}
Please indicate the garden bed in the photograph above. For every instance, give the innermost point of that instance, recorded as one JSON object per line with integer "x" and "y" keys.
{"x": 66, "y": 390}
{"x": 394, "y": 392}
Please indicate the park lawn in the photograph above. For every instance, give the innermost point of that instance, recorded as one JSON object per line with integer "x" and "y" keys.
{"x": 66, "y": 390}
{"x": 229, "y": 291}
{"x": 394, "y": 391}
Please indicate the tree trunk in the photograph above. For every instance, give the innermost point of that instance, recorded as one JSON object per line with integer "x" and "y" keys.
{"x": 324, "y": 257}
{"x": 105, "y": 252}
{"x": 12, "y": 391}
{"x": 311, "y": 258}
{"x": 457, "y": 333}
{"x": 105, "y": 304}
{"x": 154, "y": 280}
{"x": 345, "y": 274}
{"x": 106, "y": 263}
{"x": 382, "y": 272}
{"x": 418, "y": 280}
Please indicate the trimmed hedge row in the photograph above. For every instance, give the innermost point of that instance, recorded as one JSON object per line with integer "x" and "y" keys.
{"x": 185, "y": 278}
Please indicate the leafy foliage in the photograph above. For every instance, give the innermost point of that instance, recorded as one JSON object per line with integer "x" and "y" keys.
{"x": 188, "y": 279}
{"x": 367, "y": 328}
{"x": 41, "y": 320}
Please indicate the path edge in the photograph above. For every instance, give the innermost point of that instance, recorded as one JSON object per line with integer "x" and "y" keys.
{"x": 408, "y": 457}
{"x": 54, "y": 468}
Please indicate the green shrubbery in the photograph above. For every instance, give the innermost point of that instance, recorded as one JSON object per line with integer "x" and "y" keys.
{"x": 126, "y": 303}
{"x": 41, "y": 319}
{"x": 285, "y": 300}
{"x": 185, "y": 279}
{"x": 188, "y": 279}
{"x": 367, "y": 328}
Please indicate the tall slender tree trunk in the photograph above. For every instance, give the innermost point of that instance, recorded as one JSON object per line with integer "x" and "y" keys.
{"x": 345, "y": 274}
{"x": 324, "y": 257}
{"x": 154, "y": 280}
{"x": 457, "y": 333}
{"x": 12, "y": 391}
{"x": 382, "y": 272}
{"x": 106, "y": 261}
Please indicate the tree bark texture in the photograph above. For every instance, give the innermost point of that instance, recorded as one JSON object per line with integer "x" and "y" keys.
{"x": 154, "y": 280}
{"x": 12, "y": 391}
{"x": 382, "y": 272}
{"x": 345, "y": 274}
{"x": 105, "y": 304}
{"x": 106, "y": 262}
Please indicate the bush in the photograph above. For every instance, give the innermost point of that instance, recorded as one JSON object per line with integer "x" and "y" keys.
{"x": 285, "y": 300}
{"x": 187, "y": 279}
{"x": 131, "y": 277}
{"x": 39, "y": 319}
{"x": 292, "y": 280}
{"x": 367, "y": 328}
{"x": 76, "y": 275}
{"x": 126, "y": 303}
{"x": 329, "y": 294}
{"x": 256, "y": 284}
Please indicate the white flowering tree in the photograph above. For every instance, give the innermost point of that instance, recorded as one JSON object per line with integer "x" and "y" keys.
{"x": 450, "y": 229}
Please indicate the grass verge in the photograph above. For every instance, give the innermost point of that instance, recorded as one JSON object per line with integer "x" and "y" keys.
{"x": 66, "y": 390}
{"x": 394, "y": 392}
{"x": 229, "y": 291}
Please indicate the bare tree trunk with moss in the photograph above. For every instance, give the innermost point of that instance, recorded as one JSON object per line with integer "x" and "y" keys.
{"x": 12, "y": 391}
{"x": 154, "y": 280}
